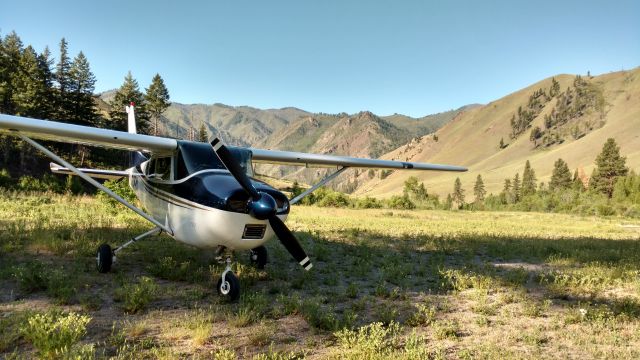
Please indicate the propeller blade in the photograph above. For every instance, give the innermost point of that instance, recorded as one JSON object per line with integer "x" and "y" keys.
{"x": 290, "y": 242}
{"x": 234, "y": 168}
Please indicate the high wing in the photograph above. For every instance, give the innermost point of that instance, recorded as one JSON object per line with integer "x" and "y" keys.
{"x": 57, "y": 131}
{"x": 320, "y": 160}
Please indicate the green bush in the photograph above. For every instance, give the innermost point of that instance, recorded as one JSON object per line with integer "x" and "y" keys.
{"x": 401, "y": 202}
{"x": 60, "y": 286}
{"x": 73, "y": 185}
{"x": 334, "y": 199}
{"x": 120, "y": 187}
{"x": 47, "y": 183}
{"x": 367, "y": 203}
{"x": 6, "y": 181}
{"x": 373, "y": 341}
{"x": 31, "y": 276}
{"x": 54, "y": 333}
{"x": 136, "y": 296}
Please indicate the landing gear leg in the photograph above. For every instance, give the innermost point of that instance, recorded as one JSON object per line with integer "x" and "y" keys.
{"x": 106, "y": 257}
{"x": 228, "y": 285}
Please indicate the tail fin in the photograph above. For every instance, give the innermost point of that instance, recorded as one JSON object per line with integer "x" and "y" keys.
{"x": 131, "y": 118}
{"x": 135, "y": 157}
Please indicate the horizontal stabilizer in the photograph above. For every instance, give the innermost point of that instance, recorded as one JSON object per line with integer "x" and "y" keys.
{"x": 94, "y": 173}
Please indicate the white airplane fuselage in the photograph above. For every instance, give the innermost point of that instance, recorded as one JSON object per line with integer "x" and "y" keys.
{"x": 195, "y": 224}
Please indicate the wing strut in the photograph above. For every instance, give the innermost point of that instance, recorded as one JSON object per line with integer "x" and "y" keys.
{"x": 316, "y": 186}
{"x": 91, "y": 181}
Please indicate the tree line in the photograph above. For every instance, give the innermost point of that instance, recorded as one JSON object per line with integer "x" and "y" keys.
{"x": 611, "y": 189}
{"x": 37, "y": 85}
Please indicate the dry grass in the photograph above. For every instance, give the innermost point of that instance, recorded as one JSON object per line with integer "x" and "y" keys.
{"x": 441, "y": 284}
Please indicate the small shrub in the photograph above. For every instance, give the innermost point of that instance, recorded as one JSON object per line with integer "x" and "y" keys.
{"x": 446, "y": 330}
{"x": 334, "y": 199}
{"x": 136, "y": 296}
{"x": 372, "y": 341}
{"x": 60, "y": 287}
{"x": 120, "y": 187}
{"x": 47, "y": 183}
{"x": 367, "y": 203}
{"x": 318, "y": 317}
{"x": 424, "y": 315}
{"x": 6, "y": 181}
{"x": 401, "y": 202}
{"x": 54, "y": 333}
{"x": 31, "y": 277}
{"x": 352, "y": 291}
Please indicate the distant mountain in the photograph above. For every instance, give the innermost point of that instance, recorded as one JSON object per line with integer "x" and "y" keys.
{"x": 573, "y": 122}
{"x": 363, "y": 134}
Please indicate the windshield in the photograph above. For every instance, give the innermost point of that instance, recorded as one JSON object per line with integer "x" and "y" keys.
{"x": 195, "y": 156}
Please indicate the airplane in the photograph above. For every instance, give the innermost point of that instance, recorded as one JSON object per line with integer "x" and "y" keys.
{"x": 202, "y": 194}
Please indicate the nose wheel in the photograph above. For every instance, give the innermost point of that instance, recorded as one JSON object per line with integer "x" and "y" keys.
{"x": 258, "y": 257}
{"x": 228, "y": 285}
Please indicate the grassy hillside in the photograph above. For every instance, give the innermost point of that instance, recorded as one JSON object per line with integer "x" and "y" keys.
{"x": 472, "y": 139}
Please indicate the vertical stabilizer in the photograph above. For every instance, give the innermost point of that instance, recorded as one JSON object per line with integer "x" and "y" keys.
{"x": 131, "y": 118}
{"x": 135, "y": 157}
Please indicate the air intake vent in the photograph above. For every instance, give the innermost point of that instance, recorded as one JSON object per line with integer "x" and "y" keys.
{"x": 254, "y": 231}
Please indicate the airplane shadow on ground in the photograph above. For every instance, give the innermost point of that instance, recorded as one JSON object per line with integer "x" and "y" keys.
{"x": 376, "y": 264}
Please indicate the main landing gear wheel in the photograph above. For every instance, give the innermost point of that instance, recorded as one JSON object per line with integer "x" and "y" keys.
{"x": 104, "y": 258}
{"x": 259, "y": 257}
{"x": 229, "y": 289}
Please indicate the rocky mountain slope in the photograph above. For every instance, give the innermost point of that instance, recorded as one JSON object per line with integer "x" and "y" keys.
{"x": 362, "y": 135}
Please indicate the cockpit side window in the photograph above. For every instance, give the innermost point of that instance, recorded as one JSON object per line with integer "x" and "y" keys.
{"x": 159, "y": 168}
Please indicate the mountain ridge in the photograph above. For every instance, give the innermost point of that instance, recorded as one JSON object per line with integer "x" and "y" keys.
{"x": 472, "y": 138}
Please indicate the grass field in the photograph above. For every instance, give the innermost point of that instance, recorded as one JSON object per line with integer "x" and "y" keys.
{"x": 402, "y": 284}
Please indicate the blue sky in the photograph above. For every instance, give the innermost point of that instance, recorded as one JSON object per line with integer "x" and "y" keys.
{"x": 410, "y": 57}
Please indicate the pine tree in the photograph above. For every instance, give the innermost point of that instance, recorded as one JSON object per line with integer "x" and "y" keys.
{"x": 129, "y": 93}
{"x": 555, "y": 87}
{"x": 448, "y": 202}
{"x": 479, "y": 190}
{"x": 609, "y": 167}
{"x": 506, "y": 196}
{"x": 561, "y": 176}
{"x": 516, "y": 188}
{"x": 11, "y": 53}
{"x": 45, "y": 62}
{"x": 458, "y": 193}
{"x": 63, "y": 104}
{"x": 26, "y": 85}
{"x": 80, "y": 92}
{"x": 157, "y": 97}
{"x": 528, "y": 180}
{"x": 502, "y": 145}
{"x": 203, "y": 136}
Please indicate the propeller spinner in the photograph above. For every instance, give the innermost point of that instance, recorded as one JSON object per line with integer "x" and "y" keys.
{"x": 262, "y": 206}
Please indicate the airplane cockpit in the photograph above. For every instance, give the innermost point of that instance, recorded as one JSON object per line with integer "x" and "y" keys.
{"x": 190, "y": 158}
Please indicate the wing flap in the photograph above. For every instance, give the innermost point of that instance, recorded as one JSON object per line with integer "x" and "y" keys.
{"x": 63, "y": 132}
{"x": 320, "y": 160}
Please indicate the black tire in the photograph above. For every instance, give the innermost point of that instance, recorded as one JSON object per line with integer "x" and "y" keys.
{"x": 259, "y": 257}
{"x": 232, "y": 291}
{"x": 104, "y": 258}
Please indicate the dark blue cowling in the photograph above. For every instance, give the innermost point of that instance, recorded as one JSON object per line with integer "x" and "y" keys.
{"x": 262, "y": 208}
